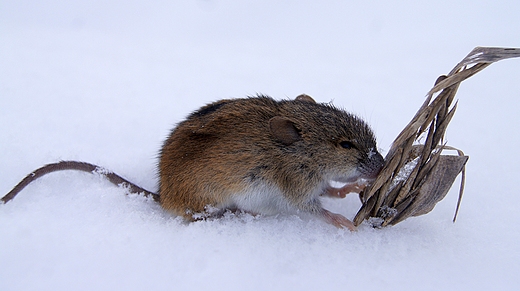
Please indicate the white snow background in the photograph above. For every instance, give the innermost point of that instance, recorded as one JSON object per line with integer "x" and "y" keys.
{"x": 105, "y": 82}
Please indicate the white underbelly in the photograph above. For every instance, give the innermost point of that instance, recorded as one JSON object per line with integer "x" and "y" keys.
{"x": 262, "y": 199}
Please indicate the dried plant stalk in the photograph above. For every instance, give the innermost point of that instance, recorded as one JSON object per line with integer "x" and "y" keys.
{"x": 417, "y": 175}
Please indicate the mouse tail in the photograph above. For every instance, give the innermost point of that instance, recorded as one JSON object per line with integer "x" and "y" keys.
{"x": 78, "y": 166}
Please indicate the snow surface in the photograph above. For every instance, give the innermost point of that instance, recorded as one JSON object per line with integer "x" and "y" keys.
{"x": 105, "y": 81}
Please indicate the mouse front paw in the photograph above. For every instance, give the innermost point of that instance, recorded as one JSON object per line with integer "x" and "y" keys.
{"x": 343, "y": 191}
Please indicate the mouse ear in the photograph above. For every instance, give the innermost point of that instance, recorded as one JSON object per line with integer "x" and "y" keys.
{"x": 305, "y": 97}
{"x": 283, "y": 130}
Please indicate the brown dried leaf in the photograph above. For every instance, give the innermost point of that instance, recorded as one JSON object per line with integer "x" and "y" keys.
{"x": 391, "y": 198}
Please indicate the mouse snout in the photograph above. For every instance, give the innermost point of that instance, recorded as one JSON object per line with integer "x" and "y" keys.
{"x": 372, "y": 165}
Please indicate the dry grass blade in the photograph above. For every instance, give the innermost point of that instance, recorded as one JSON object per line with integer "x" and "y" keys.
{"x": 417, "y": 175}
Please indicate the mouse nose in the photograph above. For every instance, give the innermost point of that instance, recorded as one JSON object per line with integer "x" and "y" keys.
{"x": 373, "y": 164}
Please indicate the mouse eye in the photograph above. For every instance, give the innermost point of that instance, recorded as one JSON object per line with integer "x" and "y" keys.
{"x": 347, "y": 145}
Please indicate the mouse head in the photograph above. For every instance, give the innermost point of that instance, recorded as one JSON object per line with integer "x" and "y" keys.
{"x": 338, "y": 144}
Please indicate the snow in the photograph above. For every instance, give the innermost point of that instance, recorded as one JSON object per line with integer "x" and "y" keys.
{"x": 105, "y": 81}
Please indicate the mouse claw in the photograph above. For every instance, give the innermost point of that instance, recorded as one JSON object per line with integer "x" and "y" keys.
{"x": 343, "y": 191}
{"x": 338, "y": 220}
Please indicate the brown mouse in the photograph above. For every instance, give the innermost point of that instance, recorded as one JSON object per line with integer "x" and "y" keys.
{"x": 257, "y": 155}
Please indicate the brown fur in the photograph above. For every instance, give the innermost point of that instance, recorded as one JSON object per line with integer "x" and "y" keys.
{"x": 293, "y": 144}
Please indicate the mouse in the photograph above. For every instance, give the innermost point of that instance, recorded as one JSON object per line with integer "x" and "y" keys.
{"x": 257, "y": 155}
